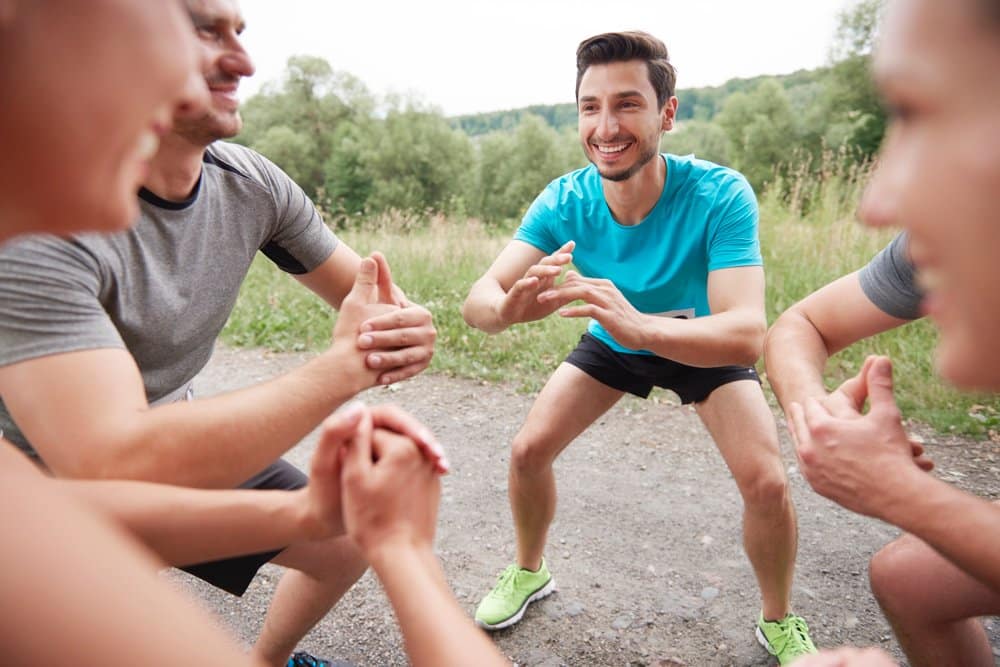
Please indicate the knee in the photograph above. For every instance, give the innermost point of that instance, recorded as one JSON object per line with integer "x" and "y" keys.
{"x": 767, "y": 490}
{"x": 529, "y": 454}
{"x": 892, "y": 572}
{"x": 336, "y": 561}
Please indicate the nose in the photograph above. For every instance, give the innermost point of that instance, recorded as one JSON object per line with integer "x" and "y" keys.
{"x": 236, "y": 61}
{"x": 879, "y": 203}
{"x": 607, "y": 125}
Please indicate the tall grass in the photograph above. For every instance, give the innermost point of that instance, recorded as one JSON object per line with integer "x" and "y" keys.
{"x": 809, "y": 236}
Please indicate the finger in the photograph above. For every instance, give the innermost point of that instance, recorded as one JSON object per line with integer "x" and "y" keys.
{"x": 364, "y": 282}
{"x": 385, "y": 291}
{"x": 924, "y": 463}
{"x": 389, "y": 360}
{"x": 336, "y": 431}
{"x": 543, "y": 271}
{"x": 797, "y": 426}
{"x": 393, "y": 418}
{"x": 358, "y": 460}
{"x": 585, "y": 310}
{"x": 396, "y": 318}
{"x": 880, "y": 389}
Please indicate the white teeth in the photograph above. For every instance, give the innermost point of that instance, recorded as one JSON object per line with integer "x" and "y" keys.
{"x": 147, "y": 145}
{"x": 616, "y": 148}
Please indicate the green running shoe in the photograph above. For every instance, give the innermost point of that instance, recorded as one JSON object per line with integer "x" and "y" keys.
{"x": 787, "y": 639}
{"x": 516, "y": 587}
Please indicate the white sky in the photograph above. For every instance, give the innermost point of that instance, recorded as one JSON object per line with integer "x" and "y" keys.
{"x": 467, "y": 56}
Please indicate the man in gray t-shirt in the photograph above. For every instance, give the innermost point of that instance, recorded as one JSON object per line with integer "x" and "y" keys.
{"x": 880, "y": 296}
{"x": 101, "y": 336}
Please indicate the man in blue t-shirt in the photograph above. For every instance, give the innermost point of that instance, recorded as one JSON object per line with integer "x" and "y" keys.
{"x": 670, "y": 274}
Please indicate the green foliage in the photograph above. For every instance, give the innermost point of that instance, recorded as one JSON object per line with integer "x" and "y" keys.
{"x": 808, "y": 237}
{"x": 514, "y": 167}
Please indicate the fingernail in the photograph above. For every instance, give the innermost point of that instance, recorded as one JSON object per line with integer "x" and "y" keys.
{"x": 365, "y": 341}
{"x": 444, "y": 464}
{"x": 375, "y": 360}
{"x": 351, "y": 410}
{"x": 365, "y": 326}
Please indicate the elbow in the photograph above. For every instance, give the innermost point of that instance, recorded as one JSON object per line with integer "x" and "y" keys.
{"x": 751, "y": 344}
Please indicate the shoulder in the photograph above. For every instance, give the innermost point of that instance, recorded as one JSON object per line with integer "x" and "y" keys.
{"x": 579, "y": 186}
{"x": 242, "y": 162}
{"x": 707, "y": 176}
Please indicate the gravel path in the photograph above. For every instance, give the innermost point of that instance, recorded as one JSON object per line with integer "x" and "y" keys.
{"x": 646, "y": 547}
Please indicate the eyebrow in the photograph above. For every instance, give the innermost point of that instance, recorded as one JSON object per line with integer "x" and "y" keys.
{"x": 203, "y": 21}
{"x": 621, "y": 95}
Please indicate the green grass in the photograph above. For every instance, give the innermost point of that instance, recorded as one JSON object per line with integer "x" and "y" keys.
{"x": 809, "y": 237}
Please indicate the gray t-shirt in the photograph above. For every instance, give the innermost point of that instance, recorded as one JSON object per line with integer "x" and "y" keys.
{"x": 889, "y": 282}
{"x": 164, "y": 289}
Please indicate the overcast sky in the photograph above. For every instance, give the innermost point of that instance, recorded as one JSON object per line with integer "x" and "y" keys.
{"x": 467, "y": 56}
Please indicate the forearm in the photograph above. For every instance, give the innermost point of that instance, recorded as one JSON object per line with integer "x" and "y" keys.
{"x": 221, "y": 441}
{"x": 795, "y": 357}
{"x": 481, "y": 307}
{"x": 962, "y": 527}
{"x": 705, "y": 342}
{"x": 436, "y": 630}
{"x": 184, "y": 526}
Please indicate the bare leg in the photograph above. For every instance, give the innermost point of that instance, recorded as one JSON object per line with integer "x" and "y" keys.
{"x": 321, "y": 572}
{"x": 570, "y": 402}
{"x": 936, "y": 621}
{"x": 740, "y": 421}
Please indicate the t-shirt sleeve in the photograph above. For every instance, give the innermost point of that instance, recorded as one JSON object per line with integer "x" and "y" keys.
{"x": 734, "y": 241}
{"x": 537, "y": 224}
{"x": 888, "y": 281}
{"x": 299, "y": 241}
{"x": 50, "y": 301}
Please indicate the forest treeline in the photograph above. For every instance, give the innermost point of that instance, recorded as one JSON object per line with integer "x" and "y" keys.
{"x": 357, "y": 154}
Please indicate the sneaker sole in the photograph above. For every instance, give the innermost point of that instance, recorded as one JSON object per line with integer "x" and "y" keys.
{"x": 762, "y": 640}
{"x": 511, "y": 620}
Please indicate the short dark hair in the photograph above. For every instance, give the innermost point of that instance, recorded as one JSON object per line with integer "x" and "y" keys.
{"x": 612, "y": 47}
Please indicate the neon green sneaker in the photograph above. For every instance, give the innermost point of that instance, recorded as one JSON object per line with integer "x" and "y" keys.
{"x": 516, "y": 587}
{"x": 787, "y": 639}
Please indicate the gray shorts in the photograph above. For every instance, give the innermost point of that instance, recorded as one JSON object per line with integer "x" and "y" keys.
{"x": 235, "y": 574}
{"x": 639, "y": 373}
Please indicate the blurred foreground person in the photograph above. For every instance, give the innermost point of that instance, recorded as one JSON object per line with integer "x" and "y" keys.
{"x": 938, "y": 176}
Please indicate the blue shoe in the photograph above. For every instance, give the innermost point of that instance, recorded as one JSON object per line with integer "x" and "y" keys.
{"x": 303, "y": 659}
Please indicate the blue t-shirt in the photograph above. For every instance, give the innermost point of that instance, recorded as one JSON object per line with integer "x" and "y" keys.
{"x": 705, "y": 219}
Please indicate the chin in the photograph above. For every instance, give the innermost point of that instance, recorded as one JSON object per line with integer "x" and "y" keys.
{"x": 968, "y": 370}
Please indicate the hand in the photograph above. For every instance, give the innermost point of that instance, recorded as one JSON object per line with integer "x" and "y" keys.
{"x": 848, "y": 401}
{"x": 397, "y": 420}
{"x": 390, "y": 493}
{"x": 848, "y": 657}
{"x": 521, "y": 302}
{"x": 604, "y": 302}
{"x": 370, "y": 297}
{"x": 400, "y": 341}
{"x": 323, "y": 493}
{"x": 856, "y": 460}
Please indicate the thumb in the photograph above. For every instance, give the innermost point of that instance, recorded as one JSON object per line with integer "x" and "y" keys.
{"x": 336, "y": 432}
{"x": 366, "y": 281}
{"x": 879, "y": 381}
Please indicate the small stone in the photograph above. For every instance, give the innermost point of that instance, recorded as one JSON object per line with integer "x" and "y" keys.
{"x": 709, "y": 592}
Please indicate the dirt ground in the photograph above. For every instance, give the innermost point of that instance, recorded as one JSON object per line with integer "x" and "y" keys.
{"x": 646, "y": 548}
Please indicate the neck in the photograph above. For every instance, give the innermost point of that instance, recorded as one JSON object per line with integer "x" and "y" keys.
{"x": 631, "y": 200}
{"x": 174, "y": 170}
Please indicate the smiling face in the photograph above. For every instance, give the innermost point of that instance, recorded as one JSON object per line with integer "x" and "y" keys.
{"x": 106, "y": 76}
{"x": 218, "y": 25}
{"x": 620, "y": 123}
{"x": 939, "y": 172}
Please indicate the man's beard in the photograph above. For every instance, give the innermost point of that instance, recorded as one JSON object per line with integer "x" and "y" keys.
{"x": 628, "y": 173}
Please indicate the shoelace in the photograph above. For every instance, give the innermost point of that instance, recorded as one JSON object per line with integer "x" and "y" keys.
{"x": 797, "y": 635}
{"x": 505, "y": 582}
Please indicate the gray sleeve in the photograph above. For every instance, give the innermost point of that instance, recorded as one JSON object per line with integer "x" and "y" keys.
{"x": 300, "y": 241}
{"x": 49, "y": 300}
{"x": 888, "y": 281}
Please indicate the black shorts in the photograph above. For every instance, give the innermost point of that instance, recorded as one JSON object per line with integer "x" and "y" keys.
{"x": 639, "y": 373}
{"x": 235, "y": 574}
